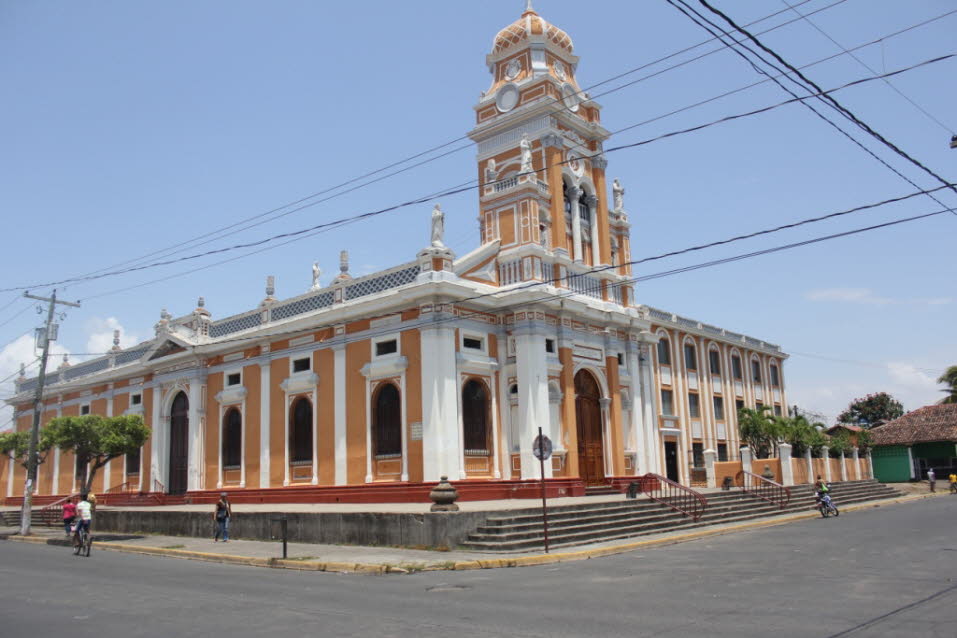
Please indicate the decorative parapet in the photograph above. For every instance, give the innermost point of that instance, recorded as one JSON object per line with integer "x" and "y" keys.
{"x": 690, "y": 324}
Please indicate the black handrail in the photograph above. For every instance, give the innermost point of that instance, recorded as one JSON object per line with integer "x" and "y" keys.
{"x": 676, "y": 496}
{"x": 766, "y": 489}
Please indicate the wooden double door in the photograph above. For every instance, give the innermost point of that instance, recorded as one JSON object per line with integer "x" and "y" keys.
{"x": 179, "y": 445}
{"x": 591, "y": 447}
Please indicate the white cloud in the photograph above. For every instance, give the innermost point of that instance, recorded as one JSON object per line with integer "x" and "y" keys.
{"x": 867, "y": 297}
{"x": 18, "y": 351}
{"x": 847, "y": 295}
{"x": 100, "y": 338}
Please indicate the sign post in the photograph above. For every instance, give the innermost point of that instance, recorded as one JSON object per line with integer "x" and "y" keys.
{"x": 542, "y": 449}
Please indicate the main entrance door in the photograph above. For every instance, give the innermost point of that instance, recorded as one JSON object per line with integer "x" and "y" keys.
{"x": 179, "y": 445}
{"x": 671, "y": 460}
{"x": 591, "y": 453}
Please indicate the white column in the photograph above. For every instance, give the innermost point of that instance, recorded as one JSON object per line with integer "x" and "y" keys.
{"x": 787, "y": 472}
{"x": 825, "y": 453}
{"x": 607, "y": 459}
{"x": 843, "y": 467}
{"x": 857, "y": 464}
{"x": 196, "y": 414}
{"x": 440, "y": 435}
{"x": 504, "y": 461}
{"x": 574, "y": 193}
{"x": 339, "y": 411}
{"x": 637, "y": 407}
{"x": 710, "y": 456}
{"x": 496, "y": 437}
{"x": 55, "y": 487}
{"x": 532, "y": 372}
{"x": 649, "y": 409}
{"x": 810, "y": 464}
{"x": 746, "y": 459}
{"x": 159, "y": 434}
{"x": 11, "y": 462}
{"x": 106, "y": 468}
{"x": 265, "y": 387}
{"x": 315, "y": 437}
{"x": 592, "y": 202}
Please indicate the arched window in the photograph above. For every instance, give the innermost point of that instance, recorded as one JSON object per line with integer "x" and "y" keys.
{"x": 664, "y": 352}
{"x": 736, "y": 372}
{"x": 232, "y": 438}
{"x": 691, "y": 357}
{"x": 475, "y": 417}
{"x": 584, "y": 212}
{"x": 775, "y": 376}
{"x": 568, "y": 207}
{"x": 387, "y": 422}
{"x": 300, "y": 431}
{"x": 714, "y": 361}
{"x": 755, "y": 371}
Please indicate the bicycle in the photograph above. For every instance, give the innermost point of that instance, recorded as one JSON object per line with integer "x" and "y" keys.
{"x": 82, "y": 541}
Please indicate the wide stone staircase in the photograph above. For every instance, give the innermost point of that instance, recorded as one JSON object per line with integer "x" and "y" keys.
{"x": 11, "y": 518}
{"x": 522, "y": 530}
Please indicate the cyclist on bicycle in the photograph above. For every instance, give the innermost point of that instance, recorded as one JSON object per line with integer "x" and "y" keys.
{"x": 820, "y": 488}
{"x": 84, "y": 514}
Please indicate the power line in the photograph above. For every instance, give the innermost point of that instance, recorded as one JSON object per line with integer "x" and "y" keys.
{"x": 642, "y": 278}
{"x": 871, "y": 364}
{"x": 465, "y": 187}
{"x": 807, "y": 19}
{"x": 301, "y": 203}
{"x": 824, "y": 96}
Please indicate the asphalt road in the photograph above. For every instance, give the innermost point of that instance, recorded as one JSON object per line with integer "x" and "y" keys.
{"x": 883, "y": 572}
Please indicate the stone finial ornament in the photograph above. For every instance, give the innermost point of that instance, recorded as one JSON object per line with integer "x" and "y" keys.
{"x": 66, "y": 360}
{"x": 270, "y": 286}
{"x": 23, "y": 371}
{"x": 444, "y": 496}
{"x": 438, "y": 227}
{"x": 116, "y": 341}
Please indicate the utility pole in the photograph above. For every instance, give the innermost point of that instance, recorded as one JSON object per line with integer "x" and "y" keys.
{"x": 48, "y": 332}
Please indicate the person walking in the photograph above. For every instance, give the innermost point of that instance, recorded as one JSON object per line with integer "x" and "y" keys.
{"x": 221, "y": 516}
{"x": 953, "y": 481}
{"x": 931, "y": 479}
{"x": 69, "y": 515}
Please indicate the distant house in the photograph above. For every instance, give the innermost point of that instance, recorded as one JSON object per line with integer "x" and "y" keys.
{"x": 904, "y": 449}
{"x": 852, "y": 431}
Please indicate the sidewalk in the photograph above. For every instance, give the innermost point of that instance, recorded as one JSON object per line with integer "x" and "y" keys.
{"x": 381, "y": 560}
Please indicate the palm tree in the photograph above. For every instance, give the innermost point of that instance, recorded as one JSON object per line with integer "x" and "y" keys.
{"x": 949, "y": 378}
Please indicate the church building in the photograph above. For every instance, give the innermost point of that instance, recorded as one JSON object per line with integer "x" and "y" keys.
{"x": 445, "y": 365}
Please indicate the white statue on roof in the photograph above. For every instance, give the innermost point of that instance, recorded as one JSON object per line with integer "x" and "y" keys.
{"x": 316, "y": 273}
{"x": 526, "y": 146}
{"x": 438, "y": 227}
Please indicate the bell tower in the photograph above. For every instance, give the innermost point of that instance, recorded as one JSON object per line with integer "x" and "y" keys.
{"x": 543, "y": 196}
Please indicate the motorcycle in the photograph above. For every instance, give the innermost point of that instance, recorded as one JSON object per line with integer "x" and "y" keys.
{"x": 826, "y": 506}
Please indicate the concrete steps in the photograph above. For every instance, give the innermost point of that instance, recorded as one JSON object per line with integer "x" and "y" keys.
{"x": 589, "y": 523}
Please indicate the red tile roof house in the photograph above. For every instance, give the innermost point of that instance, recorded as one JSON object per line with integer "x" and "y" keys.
{"x": 904, "y": 449}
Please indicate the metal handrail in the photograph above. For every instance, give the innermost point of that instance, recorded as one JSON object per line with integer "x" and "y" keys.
{"x": 676, "y": 496}
{"x": 766, "y": 489}
{"x": 158, "y": 486}
{"x": 54, "y": 510}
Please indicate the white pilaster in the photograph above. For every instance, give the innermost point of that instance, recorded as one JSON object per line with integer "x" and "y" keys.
{"x": 106, "y": 468}
{"x": 532, "y": 372}
{"x": 843, "y": 467}
{"x": 825, "y": 454}
{"x": 157, "y": 465}
{"x": 265, "y": 387}
{"x": 440, "y": 432}
{"x": 649, "y": 409}
{"x": 339, "y": 412}
{"x": 710, "y": 456}
{"x": 787, "y": 472}
{"x": 574, "y": 193}
{"x": 857, "y": 465}
{"x": 197, "y": 414}
{"x": 503, "y": 444}
{"x": 746, "y": 459}
{"x": 808, "y": 459}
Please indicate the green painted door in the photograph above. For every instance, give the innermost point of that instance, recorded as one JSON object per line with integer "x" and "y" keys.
{"x": 891, "y": 463}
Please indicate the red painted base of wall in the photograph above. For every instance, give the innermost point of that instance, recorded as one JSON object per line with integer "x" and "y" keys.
{"x": 476, "y": 490}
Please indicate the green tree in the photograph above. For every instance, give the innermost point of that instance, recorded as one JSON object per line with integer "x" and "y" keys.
{"x": 96, "y": 440}
{"x": 872, "y": 410}
{"x": 17, "y": 444}
{"x": 840, "y": 442}
{"x": 759, "y": 430}
{"x": 949, "y": 378}
{"x": 864, "y": 441}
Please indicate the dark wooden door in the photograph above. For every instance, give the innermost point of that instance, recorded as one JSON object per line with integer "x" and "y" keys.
{"x": 179, "y": 445}
{"x": 671, "y": 460}
{"x": 591, "y": 453}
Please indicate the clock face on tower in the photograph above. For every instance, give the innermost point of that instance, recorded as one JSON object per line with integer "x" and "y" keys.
{"x": 507, "y": 98}
{"x": 570, "y": 97}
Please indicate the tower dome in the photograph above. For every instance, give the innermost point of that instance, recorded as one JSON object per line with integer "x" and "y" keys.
{"x": 530, "y": 27}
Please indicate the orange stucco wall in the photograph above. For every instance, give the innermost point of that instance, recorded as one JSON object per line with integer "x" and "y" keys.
{"x": 357, "y": 355}
{"x": 324, "y": 365}
{"x": 412, "y": 350}
{"x": 278, "y": 371}
{"x": 252, "y": 380}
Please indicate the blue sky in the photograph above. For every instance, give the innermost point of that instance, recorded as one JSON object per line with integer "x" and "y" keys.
{"x": 129, "y": 128}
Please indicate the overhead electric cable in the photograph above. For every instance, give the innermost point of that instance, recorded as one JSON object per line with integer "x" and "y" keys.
{"x": 893, "y": 87}
{"x": 837, "y": 105}
{"x": 465, "y": 187}
{"x": 181, "y": 246}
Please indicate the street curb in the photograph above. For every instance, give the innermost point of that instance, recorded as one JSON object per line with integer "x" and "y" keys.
{"x": 490, "y": 563}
